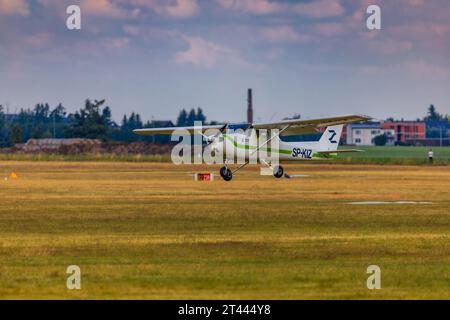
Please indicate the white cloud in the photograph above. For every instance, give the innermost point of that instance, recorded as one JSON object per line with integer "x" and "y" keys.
{"x": 320, "y": 8}
{"x": 117, "y": 42}
{"x": 281, "y": 34}
{"x": 174, "y": 8}
{"x": 207, "y": 54}
{"x": 252, "y": 6}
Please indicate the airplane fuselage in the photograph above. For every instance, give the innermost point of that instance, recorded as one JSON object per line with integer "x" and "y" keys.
{"x": 243, "y": 146}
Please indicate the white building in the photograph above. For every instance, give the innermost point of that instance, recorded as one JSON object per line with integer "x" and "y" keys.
{"x": 364, "y": 134}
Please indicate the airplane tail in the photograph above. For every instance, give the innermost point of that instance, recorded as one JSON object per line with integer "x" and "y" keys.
{"x": 329, "y": 141}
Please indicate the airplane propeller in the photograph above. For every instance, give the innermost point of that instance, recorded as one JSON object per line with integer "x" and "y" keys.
{"x": 211, "y": 139}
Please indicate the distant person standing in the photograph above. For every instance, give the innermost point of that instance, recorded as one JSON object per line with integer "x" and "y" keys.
{"x": 430, "y": 156}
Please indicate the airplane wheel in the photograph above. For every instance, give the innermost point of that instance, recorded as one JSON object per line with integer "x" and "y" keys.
{"x": 223, "y": 171}
{"x": 278, "y": 172}
{"x": 226, "y": 174}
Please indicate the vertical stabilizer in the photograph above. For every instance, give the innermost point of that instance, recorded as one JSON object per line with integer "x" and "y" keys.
{"x": 330, "y": 138}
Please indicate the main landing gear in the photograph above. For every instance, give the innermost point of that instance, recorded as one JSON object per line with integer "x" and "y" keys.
{"x": 278, "y": 172}
{"x": 226, "y": 173}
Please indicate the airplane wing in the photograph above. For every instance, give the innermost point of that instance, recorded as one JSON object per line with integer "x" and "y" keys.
{"x": 309, "y": 126}
{"x": 170, "y": 130}
{"x": 295, "y": 126}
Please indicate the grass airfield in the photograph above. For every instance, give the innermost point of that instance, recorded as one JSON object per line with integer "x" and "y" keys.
{"x": 147, "y": 230}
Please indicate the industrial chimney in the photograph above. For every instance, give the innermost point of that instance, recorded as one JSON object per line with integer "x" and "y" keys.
{"x": 249, "y": 106}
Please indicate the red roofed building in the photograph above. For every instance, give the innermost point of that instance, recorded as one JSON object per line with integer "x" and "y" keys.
{"x": 406, "y": 131}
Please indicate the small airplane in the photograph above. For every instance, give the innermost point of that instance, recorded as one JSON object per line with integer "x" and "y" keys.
{"x": 244, "y": 142}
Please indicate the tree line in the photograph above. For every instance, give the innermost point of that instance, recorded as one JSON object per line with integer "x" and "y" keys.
{"x": 93, "y": 121}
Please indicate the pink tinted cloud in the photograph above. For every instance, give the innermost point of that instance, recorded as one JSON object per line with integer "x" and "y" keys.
{"x": 423, "y": 30}
{"x": 314, "y": 9}
{"x": 433, "y": 39}
{"x": 415, "y": 3}
{"x": 116, "y": 9}
{"x": 104, "y": 8}
{"x": 384, "y": 44}
{"x": 182, "y": 9}
{"x": 14, "y": 7}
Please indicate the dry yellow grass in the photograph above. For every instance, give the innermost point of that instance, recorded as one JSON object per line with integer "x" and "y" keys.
{"x": 147, "y": 230}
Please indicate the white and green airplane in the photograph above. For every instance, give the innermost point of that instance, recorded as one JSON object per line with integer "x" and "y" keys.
{"x": 250, "y": 141}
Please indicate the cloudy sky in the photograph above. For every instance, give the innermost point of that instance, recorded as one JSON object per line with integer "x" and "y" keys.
{"x": 315, "y": 58}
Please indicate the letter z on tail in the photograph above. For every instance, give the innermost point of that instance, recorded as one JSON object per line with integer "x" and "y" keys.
{"x": 329, "y": 142}
{"x": 330, "y": 138}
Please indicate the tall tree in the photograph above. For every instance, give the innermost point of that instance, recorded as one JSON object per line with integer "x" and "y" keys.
{"x": 128, "y": 125}
{"x": 192, "y": 116}
{"x": 433, "y": 115}
{"x": 58, "y": 113}
{"x": 200, "y": 116}
{"x": 91, "y": 121}
{"x": 182, "y": 118}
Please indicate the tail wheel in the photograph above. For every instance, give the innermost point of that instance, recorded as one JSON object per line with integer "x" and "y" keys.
{"x": 226, "y": 174}
{"x": 278, "y": 172}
